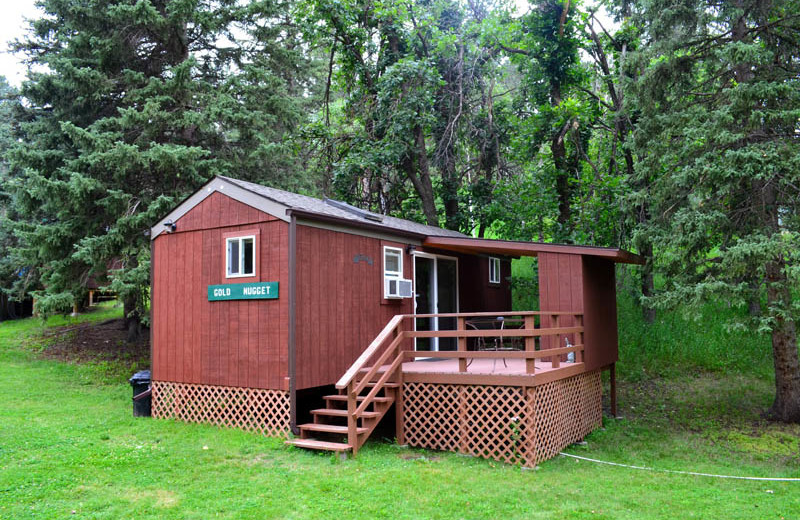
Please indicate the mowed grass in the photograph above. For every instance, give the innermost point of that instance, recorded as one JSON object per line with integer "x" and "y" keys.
{"x": 69, "y": 448}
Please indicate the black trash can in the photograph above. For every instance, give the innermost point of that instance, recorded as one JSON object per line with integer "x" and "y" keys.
{"x": 140, "y": 382}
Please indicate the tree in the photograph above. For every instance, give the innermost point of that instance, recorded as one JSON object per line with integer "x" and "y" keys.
{"x": 410, "y": 124}
{"x": 546, "y": 52}
{"x": 719, "y": 100}
{"x": 138, "y": 104}
{"x": 10, "y": 271}
{"x": 613, "y": 73}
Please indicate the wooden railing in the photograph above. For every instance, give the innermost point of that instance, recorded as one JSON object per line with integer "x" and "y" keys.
{"x": 384, "y": 357}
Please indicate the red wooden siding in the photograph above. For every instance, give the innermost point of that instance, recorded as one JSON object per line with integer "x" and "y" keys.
{"x": 582, "y": 284}
{"x": 229, "y": 343}
{"x": 219, "y": 210}
{"x": 560, "y": 289}
{"x": 475, "y": 293}
{"x": 340, "y": 306}
{"x": 600, "y": 320}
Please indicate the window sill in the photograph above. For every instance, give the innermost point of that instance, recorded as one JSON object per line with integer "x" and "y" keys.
{"x": 242, "y": 278}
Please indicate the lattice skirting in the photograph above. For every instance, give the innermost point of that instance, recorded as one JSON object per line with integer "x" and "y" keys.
{"x": 506, "y": 423}
{"x": 253, "y": 409}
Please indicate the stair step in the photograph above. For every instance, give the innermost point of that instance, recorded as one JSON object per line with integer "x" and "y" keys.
{"x": 314, "y": 444}
{"x": 337, "y": 412}
{"x": 337, "y": 397}
{"x": 329, "y": 428}
{"x": 386, "y": 385}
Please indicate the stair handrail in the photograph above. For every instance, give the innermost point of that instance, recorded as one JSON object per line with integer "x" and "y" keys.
{"x": 393, "y": 367}
{"x": 373, "y": 347}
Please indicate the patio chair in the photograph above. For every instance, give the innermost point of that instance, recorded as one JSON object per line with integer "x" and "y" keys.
{"x": 490, "y": 344}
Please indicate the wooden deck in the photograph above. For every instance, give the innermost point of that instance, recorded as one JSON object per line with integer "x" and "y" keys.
{"x": 487, "y": 371}
{"x": 505, "y": 374}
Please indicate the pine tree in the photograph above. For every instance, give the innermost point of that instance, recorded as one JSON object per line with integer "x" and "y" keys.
{"x": 719, "y": 101}
{"x": 10, "y": 271}
{"x": 136, "y": 105}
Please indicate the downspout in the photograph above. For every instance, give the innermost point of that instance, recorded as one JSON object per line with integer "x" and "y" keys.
{"x": 292, "y": 321}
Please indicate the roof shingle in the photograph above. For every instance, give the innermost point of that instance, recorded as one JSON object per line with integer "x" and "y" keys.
{"x": 320, "y": 207}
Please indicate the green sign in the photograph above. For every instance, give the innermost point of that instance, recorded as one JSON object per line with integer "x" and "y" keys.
{"x": 243, "y": 291}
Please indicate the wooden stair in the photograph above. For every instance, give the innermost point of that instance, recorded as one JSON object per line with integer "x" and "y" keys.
{"x": 331, "y": 423}
{"x": 341, "y": 397}
{"x": 314, "y": 444}
{"x": 367, "y": 390}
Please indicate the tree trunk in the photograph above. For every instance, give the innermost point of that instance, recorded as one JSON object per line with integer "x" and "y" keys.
{"x": 132, "y": 322}
{"x": 648, "y": 285}
{"x": 786, "y": 407}
{"x": 450, "y": 185}
{"x": 559, "y": 150}
{"x": 421, "y": 179}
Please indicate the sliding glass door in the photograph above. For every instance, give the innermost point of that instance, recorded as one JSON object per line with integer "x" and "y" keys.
{"x": 436, "y": 292}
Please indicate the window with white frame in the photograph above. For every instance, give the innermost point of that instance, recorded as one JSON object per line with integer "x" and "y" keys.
{"x": 494, "y": 270}
{"x": 240, "y": 256}
{"x": 392, "y": 262}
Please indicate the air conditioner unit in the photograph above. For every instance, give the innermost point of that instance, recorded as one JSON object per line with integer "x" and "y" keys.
{"x": 397, "y": 288}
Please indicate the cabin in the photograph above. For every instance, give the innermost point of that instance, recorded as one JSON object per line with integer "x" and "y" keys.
{"x": 316, "y": 320}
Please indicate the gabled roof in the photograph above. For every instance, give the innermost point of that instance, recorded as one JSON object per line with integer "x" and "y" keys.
{"x": 283, "y": 204}
{"x": 309, "y": 206}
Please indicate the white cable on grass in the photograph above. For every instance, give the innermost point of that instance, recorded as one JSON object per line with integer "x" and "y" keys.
{"x": 777, "y": 479}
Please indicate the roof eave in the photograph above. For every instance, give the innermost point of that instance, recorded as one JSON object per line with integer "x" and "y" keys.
{"x": 223, "y": 185}
{"x": 514, "y": 248}
{"x": 310, "y": 215}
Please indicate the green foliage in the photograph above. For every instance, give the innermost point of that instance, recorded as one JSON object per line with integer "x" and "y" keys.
{"x": 721, "y": 125}
{"x": 689, "y": 339}
{"x": 132, "y": 108}
{"x": 410, "y": 108}
{"x": 525, "y": 284}
{"x": 9, "y": 269}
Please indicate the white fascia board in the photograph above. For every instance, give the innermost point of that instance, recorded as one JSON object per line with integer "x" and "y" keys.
{"x": 227, "y": 188}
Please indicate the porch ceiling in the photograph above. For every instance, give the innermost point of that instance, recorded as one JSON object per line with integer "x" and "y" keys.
{"x": 518, "y": 248}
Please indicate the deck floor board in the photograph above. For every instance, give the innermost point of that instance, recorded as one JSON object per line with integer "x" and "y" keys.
{"x": 512, "y": 367}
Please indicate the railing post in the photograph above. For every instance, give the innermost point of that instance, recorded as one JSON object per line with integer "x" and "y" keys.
{"x": 398, "y": 393}
{"x": 352, "y": 420}
{"x": 462, "y": 345}
{"x": 555, "y": 360}
{"x": 530, "y": 344}
{"x": 579, "y": 339}
{"x": 398, "y": 409}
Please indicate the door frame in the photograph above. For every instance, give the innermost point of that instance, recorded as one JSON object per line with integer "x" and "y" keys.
{"x": 435, "y": 284}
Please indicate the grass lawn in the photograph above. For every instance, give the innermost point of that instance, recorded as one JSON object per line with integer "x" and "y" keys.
{"x": 69, "y": 448}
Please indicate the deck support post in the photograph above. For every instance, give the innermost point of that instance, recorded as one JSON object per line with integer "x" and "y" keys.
{"x": 462, "y": 345}
{"x": 91, "y": 297}
{"x": 352, "y": 419}
{"x": 398, "y": 410}
{"x": 613, "y": 374}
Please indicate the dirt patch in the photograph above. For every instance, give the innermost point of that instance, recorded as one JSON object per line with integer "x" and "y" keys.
{"x": 420, "y": 457}
{"x": 96, "y": 342}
